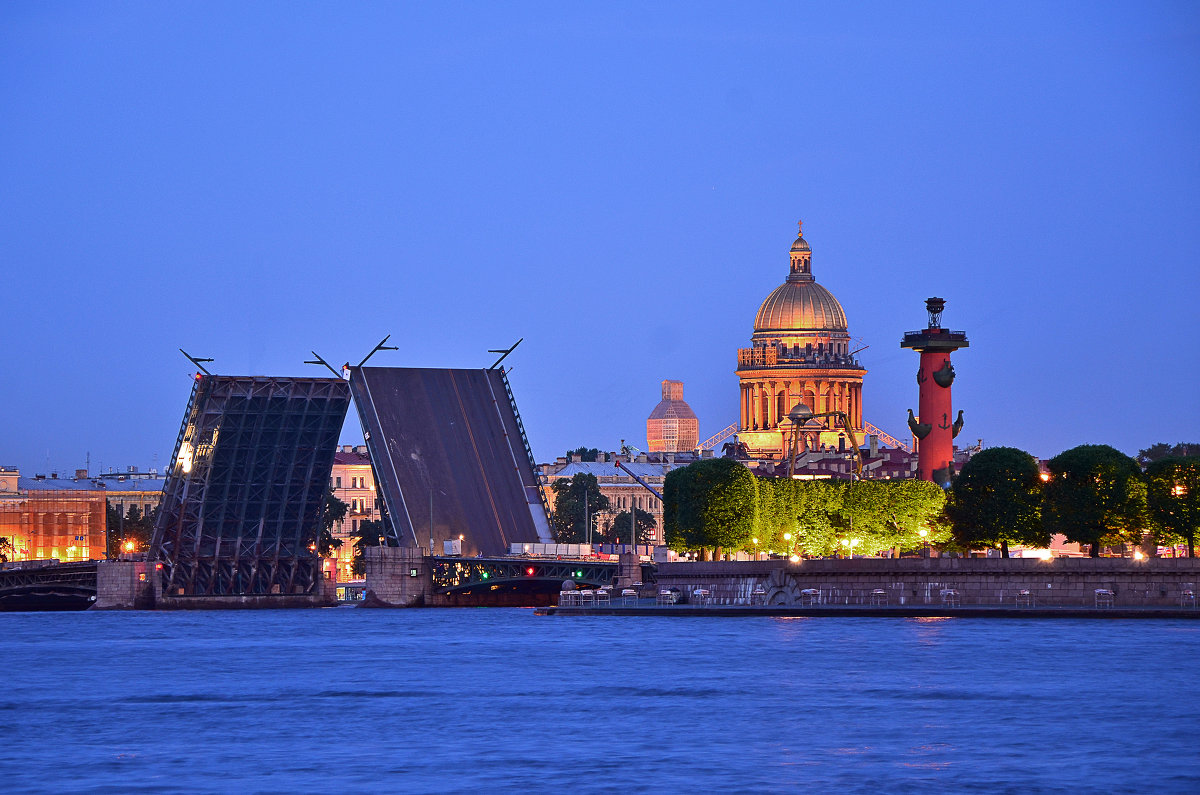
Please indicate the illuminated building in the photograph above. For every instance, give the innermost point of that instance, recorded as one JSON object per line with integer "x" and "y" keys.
{"x": 353, "y": 484}
{"x": 622, "y": 491}
{"x": 672, "y": 426}
{"x": 52, "y": 517}
{"x": 799, "y": 353}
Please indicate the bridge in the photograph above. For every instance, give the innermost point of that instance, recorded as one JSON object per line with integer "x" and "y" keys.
{"x": 48, "y": 586}
{"x": 476, "y": 575}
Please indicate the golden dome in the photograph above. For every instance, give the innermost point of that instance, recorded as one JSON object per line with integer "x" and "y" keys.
{"x": 800, "y": 305}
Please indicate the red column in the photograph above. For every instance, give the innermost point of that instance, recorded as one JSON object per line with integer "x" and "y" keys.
{"x": 935, "y": 451}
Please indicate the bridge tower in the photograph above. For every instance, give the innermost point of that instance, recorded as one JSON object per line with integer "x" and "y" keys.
{"x": 934, "y": 428}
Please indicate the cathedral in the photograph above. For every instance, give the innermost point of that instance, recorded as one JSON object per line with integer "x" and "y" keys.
{"x": 799, "y": 353}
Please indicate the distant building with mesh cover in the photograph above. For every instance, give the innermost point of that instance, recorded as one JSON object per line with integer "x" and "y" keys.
{"x": 672, "y": 427}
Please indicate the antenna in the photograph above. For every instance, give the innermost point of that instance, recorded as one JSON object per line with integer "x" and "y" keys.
{"x": 196, "y": 361}
{"x": 380, "y": 347}
{"x": 319, "y": 360}
{"x": 505, "y": 352}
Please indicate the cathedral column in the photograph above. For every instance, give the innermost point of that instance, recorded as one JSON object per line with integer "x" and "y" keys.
{"x": 771, "y": 404}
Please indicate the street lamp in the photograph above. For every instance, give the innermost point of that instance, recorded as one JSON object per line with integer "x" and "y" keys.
{"x": 755, "y": 542}
{"x": 924, "y": 534}
{"x": 801, "y": 414}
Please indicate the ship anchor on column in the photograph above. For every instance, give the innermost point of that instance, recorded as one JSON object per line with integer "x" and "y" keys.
{"x": 933, "y": 429}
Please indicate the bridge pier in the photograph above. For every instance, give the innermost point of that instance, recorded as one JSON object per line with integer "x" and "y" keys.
{"x": 127, "y": 585}
{"x": 397, "y": 577}
{"x": 629, "y": 570}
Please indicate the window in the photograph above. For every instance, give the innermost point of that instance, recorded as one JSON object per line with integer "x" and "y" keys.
{"x": 339, "y": 481}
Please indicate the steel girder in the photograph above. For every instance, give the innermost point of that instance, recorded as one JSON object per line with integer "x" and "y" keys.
{"x": 245, "y": 491}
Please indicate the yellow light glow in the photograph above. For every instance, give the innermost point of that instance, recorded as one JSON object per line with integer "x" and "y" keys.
{"x": 787, "y": 536}
{"x": 128, "y": 546}
{"x": 1045, "y": 476}
{"x": 185, "y": 457}
{"x": 922, "y": 532}
{"x": 1044, "y": 554}
{"x": 1138, "y": 555}
{"x": 794, "y": 558}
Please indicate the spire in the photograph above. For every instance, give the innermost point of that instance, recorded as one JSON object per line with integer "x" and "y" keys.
{"x": 801, "y": 265}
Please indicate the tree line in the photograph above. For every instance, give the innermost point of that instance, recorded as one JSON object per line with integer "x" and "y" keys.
{"x": 717, "y": 505}
{"x": 1092, "y": 494}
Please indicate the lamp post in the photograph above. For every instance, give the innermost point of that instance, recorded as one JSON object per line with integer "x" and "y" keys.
{"x": 801, "y": 414}
{"x": 924, "y": 534}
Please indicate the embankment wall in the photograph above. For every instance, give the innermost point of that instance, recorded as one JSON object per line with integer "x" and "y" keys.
{"x": 1059, "y": 582}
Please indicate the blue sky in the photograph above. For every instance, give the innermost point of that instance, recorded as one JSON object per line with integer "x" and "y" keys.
{"x": 617, "y": 183}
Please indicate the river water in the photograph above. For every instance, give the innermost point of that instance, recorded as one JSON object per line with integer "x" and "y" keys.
{"x": 354, "y": 700}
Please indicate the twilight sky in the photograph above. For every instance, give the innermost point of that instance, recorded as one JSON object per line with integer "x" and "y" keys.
{"x": 616, "y": 183}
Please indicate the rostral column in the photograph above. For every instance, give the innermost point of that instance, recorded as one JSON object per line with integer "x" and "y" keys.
{"x": 934, "y": 428}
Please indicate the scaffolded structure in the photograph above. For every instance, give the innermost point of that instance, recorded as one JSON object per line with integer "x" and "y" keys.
{"x": 242, "y": 505}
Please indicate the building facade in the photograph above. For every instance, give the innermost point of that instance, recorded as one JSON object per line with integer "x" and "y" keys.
{"x": 353, "y": 483}
{"x": 799, "y": 353}
{"x": 672, "y": 426}
{"x": 47, "y": 518}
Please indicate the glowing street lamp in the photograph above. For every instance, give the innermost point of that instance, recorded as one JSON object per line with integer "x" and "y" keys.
{"x": 924, "y": 534}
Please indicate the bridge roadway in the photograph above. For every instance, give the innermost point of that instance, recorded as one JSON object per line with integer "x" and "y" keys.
{"x": 48, "y": 586}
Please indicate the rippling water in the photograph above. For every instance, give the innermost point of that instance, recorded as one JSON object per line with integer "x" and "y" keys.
{"x": 351, "y": 700}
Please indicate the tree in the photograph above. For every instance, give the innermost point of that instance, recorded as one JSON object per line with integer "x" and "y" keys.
{"x": 6, "y": 549}
{"x": 710, "y": 503}
{"x": 584, "y": 453}
{"x": 128, "y": 528}
{"x": 1156, "y": 452}
{"x": 997, "y": 499}
{"x": 1173, "y": 497}
{"x": 572, "y": 499}
{"x": 370, "y": 534}
{"x": 619, "y": 529}
{"x": 334, "y": 514}
{"x": 1095, "y": 496}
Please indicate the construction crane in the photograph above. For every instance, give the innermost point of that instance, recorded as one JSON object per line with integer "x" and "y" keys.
{"x": 617, "y": 462}
{"x": 711, "y": 442}
{"x": 887, "y": 438}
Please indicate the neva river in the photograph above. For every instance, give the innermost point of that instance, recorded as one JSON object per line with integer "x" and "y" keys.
{"x": 353, "y": 700}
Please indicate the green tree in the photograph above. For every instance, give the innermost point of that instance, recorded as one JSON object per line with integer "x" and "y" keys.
{"x": 370, "y": 534}
{"x": 1173, "y": 498}
{"x": 997, "y": 499}
{"x": 571, "y": 499}
{"x": 1095, "y": 496}
{"x": 584, "y": 453}
{"x": 1162, "y": 450}
{"x": 334, "y": 514}
{"x": 618, "y": 531}
{"x": 711, "y": 503}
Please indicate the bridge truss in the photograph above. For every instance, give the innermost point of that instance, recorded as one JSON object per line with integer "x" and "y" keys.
{"x": 246, "y": 487}
{"x": 458, "y": 574}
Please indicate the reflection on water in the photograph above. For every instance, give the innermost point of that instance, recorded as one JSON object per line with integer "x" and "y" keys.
{"x": 441, "y": 700}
